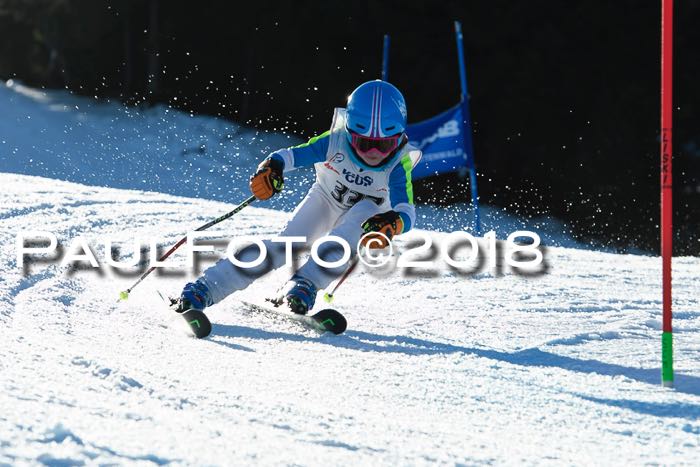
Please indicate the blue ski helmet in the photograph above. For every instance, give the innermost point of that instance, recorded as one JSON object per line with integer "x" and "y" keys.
{"x": 376, "y": 121}
{"x": 376, "y": 109}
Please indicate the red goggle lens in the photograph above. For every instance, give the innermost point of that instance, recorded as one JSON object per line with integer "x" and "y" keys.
{"x": 384, "y": 145}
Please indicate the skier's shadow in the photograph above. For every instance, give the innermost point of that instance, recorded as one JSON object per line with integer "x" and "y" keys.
{"x": 369, "y": 342}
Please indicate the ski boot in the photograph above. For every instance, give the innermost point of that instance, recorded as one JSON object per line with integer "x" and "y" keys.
{"x": 195, "y": 296}
{"x": 301, "y": 296}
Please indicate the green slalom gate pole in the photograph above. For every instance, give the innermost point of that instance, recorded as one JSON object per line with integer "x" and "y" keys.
{"x": 666, "y": 188}
{"x": 124, "y": 294}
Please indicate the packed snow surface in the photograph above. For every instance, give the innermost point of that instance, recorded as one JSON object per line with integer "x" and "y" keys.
{"x": 489, "y": 366}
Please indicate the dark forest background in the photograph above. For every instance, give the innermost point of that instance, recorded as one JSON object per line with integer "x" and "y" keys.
{"x": 564, "y": 95}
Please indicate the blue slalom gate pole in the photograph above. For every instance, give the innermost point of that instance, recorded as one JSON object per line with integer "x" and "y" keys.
{"x": 467, "y": 131}
{"x": 385, "y": 59}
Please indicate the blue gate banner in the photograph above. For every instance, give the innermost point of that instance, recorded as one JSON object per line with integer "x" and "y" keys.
{"x": 442, "y": 140}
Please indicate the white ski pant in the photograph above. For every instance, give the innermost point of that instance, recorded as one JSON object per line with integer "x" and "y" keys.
{"x": 317, "y": 215}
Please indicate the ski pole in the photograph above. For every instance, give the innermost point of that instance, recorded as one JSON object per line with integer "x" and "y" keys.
{"x": 124, "y": 294}
{"x": 328, "y": 296}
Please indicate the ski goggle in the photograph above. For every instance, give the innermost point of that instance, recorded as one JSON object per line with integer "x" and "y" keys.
{"x": 365, "y": 144}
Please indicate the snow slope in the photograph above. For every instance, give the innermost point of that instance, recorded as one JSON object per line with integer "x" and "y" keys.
{"x": 58, "y": 135}
{"x": 560, "y": 368}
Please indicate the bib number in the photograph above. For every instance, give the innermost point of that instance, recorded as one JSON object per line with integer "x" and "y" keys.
{"x": 348, "y": 198}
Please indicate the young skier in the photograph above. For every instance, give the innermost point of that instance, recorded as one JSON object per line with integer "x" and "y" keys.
{"x": 363, "y": 185}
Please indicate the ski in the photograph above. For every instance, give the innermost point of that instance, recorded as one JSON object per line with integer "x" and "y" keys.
{"x": 197, "y": 322}
{"x": 326, "y": 320}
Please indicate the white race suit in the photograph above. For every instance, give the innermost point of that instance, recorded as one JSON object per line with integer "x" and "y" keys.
{"x": 345, "y": 194}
